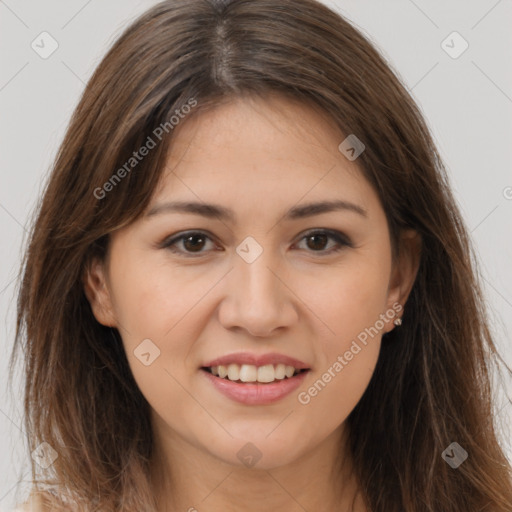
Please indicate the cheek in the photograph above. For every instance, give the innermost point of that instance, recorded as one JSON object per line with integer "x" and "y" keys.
{"x": 346, "y": 359}
{"x": 150, "y": 300}
{"x": 350, "y": 304}
{"x": 153, "y": 303}
{"x": 153, "y": 322}
{"x": 329, "y": 397}
{"x": 348, "y": 298}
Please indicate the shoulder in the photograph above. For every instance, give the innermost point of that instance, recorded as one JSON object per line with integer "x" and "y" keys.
{"x": 33, "y": 504}
{"x": 48, "y": 500}
{"x": 36, "y": 502}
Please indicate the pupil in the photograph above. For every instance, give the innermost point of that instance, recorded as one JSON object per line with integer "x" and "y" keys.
{"x": 192, "y": 237}
{"x": 318, "y": 238}
{"x": 322, "y": 237}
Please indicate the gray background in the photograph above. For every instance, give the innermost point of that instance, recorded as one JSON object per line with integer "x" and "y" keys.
{"x": 467, "y": 102}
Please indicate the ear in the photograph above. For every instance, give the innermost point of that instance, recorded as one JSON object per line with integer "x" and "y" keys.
{"x": 403, "y": 275}
{"x": 97, "y": 292}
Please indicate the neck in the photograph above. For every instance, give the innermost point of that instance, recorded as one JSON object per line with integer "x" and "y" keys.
{"x": 187, "y": 478}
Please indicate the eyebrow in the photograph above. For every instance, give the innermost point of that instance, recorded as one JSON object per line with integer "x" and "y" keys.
{"x": 222, "y": 213}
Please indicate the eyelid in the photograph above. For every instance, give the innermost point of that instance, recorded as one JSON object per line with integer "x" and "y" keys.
{"x": 334, "y": 233}
{"x": 341, "y": 239}
{"x": 169, "y": 241}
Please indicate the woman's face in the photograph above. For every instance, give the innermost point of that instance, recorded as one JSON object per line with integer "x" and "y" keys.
{"x": 265, "y": 281}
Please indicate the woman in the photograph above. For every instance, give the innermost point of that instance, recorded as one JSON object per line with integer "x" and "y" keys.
{"x": 248, "y": 286}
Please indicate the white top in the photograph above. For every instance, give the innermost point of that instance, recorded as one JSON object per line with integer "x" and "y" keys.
{"x": 34, "y": 504}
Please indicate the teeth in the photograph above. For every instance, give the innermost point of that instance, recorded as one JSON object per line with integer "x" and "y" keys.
{"x": 251, "y": 373}
{"x": 280, "y": 371}
{"x": 233, "y": 372}
{"x": 289, "y": 371}
{"x": 266, "y": 373}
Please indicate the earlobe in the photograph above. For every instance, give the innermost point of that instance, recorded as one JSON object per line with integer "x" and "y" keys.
{"x": 97, "y": 293}
{"x": 404, "y": 273}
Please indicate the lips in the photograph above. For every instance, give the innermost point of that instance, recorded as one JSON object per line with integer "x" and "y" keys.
{"x": 247, "y": 367}
{"x": 255, "y": 379}
{"x": 256, "y": 360}
{"x": 255, "y": 393}
{"x": 251, "y": 373}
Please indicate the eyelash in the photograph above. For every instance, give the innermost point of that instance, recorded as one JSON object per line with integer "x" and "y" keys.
{"x": 340, "y": 238}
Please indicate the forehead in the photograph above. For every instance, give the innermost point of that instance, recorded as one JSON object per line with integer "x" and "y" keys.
{"x": 252, "y": 149}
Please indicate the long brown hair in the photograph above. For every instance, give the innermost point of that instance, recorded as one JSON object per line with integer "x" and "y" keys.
{"x": 431, "y": 386}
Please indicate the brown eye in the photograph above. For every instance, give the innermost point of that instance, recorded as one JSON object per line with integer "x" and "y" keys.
{"x": 318, "y": 241}
{"x": 193, "y": 243}
{"x": 188, "y": 243}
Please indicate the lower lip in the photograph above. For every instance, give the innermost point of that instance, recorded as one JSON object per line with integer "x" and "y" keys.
{"x": 256, "y": 394}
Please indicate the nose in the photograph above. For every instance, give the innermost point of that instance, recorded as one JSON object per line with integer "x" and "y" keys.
{"x": 258, "y": 298}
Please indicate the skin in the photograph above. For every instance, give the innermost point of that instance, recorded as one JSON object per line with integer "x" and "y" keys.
{"x": 258, "y": 158}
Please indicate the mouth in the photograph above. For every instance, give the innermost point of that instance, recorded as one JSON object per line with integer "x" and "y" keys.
{"x": 249, "y": 384}
{"x": 252, "y": 374}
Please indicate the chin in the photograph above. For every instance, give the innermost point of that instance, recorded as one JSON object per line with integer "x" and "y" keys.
{"x": 258, "y": 452}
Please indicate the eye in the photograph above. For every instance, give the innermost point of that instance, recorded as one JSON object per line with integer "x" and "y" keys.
{"x": 317, "y": 240}
{"x": 192, "y": 243}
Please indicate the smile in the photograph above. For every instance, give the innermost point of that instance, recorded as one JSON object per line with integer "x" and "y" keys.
{"x": 273, "y": 387}
{"x": 252, "y": 373}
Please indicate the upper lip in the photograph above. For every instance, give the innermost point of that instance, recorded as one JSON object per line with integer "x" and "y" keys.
{"x": 256, "y": 360}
